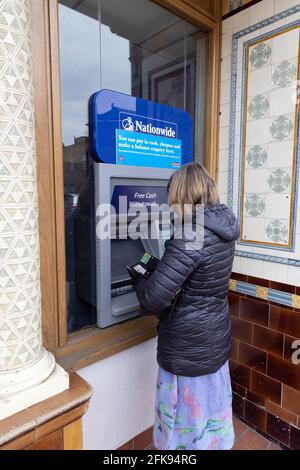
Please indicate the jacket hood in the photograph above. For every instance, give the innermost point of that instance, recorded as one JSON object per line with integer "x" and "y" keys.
{"x": 222, "y": 221}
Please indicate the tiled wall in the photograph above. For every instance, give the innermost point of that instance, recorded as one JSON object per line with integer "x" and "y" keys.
{"x": 265, "y": 290}
{"x": 266, "y": 384}
{"x": 268, "y": 263}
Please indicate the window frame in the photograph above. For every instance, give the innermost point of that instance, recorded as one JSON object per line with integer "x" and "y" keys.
{"x": 79, "y": 349}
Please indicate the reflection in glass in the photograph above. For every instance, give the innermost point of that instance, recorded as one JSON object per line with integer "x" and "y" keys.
{"x": 129, "y": 46}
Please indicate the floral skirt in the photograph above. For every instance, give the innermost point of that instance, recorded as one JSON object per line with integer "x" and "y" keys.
{"x": 194, "y": 413}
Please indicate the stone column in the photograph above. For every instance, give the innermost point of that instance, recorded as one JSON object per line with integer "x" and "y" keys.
{"x": 28, "y": 373}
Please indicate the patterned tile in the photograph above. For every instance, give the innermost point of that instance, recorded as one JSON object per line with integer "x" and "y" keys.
{"x": 257, "y": 156}
{"x": 284, "y": 73}
{"x": 280, "y": 180}
{"x": 262, "y": 292}
{"x": 282, "y": 128}
{"x": 260, "y": 55}
{"x": 258, "y": 107}
{"x": 255, "y": 205}
{"x": 277, "y": 231}
{"x": 296, "y": 301}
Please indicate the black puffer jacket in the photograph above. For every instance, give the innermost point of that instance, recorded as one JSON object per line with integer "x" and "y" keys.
{"x": 195, "y": 339}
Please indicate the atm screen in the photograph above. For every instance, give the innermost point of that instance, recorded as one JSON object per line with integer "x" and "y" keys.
{"x": 147, "y": 195}
{"x": 124, "y": 252}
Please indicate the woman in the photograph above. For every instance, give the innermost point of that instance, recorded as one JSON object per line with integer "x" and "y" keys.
{"x": 193, "y": 396}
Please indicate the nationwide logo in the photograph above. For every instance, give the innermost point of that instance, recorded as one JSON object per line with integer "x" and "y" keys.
{"x": 137, "y": 124}
{"x": 127, "y": 124}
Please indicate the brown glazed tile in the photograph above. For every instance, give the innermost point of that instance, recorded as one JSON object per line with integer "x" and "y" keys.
{"x": 278, "y": 429}
{"x": 288, "y": 347}
{"x": 254, "y": 441}
{"x": 295, "y": 438}
{"x": 127, "y": 446}
{"x": 254, "y": 311}
{"x": 268, "y": 340}
{"x": 271, "y": 439}
{"x": 265, "y": 386}
{"x": 252, "y": 357}
{"x": 256, "y": 399}
{"x": 234, "y": 304}
{"x": 239, "y": 277}
{"x": 284, "y": 371}
{"x": 257, "y": 281}
{"x": 282, "y": 413}
{"x": 241, "y": 330}
{"x": 238, "y": 405}
{"x": 238, "y": 389}
{"x": 285, "y": 321}
{"x": 240, "y": 374}
{"x": 235, "y": 349}
{"x": 291, "y": 399}
{"x": 282, "y": 287}
{"x": 144, "y": 439}
{"x": 276, "y": 304}
{"x": 255, "y": 415}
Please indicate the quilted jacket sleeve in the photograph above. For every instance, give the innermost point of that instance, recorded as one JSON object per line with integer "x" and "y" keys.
{"x": 176, "y": 265}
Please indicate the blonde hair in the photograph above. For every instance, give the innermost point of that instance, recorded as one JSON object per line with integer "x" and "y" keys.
{"x": 192, "y": 184}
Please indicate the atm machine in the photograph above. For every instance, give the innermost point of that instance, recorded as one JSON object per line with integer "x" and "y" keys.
{"x": 137, "y": 145}
{"x": 116, "y": 298}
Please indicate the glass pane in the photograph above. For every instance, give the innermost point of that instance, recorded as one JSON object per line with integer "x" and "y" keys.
{"x": 129, "y": 46}
{"x": 80, "y": 77}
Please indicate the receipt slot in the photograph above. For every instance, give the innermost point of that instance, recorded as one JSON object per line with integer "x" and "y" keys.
{"x": 116, "y": 297}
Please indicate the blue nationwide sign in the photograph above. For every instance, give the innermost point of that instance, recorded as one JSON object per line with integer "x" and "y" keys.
{"x": 125, "y": 130}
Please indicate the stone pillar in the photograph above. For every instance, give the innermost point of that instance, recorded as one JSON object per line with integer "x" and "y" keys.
{"x": 28, "y": 373}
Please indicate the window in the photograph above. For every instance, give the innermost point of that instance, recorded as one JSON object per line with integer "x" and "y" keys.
{"x": 62, "y": 146}
{"x": 129, "y": 46}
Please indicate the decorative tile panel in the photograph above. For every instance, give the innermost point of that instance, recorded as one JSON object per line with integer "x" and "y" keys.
{"x": 263, "y": 175}
{"x": 20, "y": 329}
{"x": 263, "y": 129}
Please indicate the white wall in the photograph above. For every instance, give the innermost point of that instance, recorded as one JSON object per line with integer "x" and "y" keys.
{"x": 123, "y": 402}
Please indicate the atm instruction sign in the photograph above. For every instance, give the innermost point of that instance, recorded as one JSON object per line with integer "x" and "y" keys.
{"x": 151, "y": 150}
